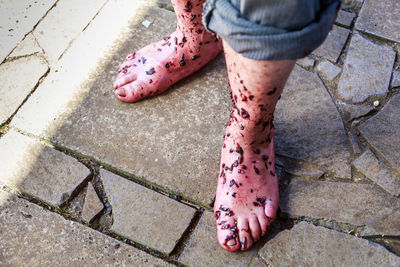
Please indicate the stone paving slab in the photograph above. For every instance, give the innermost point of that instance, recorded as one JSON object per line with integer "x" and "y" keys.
{"x": 378, "y": 172}
{"x": 63, "y": 24}
{"x": 92, "y": 205}
{"x": 32, "y": 236}
{"x": 383, "y": 133}
{"x": 333, "y": 45}
{"x": 301, "y": 130}
{"x": 37, "y": 169}
{"x": 309, "y": 245}
{"x": 367, "y": 70}
{"x": 328, "y": 70}
{"x": 17, "y": 18}
{"x": 28, "y": 46}
{"x": 353, "y": 111}
{"x": 14, "y": 87}
{"x": 144, "y": 215}
{"x": 203, "y": 248}
{"x": 345, "y": 18}
{"x": 396, "y": 77}
{"x": 356, "y": 204}
{"x": 172, "y": 140}
{"x": 380, "y": 18}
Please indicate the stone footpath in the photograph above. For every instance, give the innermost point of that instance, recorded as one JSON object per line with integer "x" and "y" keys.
{"x": 88, "y": 180}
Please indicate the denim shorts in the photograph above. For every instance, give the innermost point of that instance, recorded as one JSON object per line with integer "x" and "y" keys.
{"x": 271, "y": 29}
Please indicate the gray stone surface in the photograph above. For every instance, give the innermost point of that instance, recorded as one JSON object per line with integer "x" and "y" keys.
{"x": 378, "y": 172}
{"x": 257, "y": 262}
{"x": 380, "y": 18}
{"x": 203, "y": 248}
{"x": 63, "y": 24}
{"x": 301, "y": 130}
{"x": 307, "y": 62}
{"x": 309, "y": 245}
{"x": 367, "y": 70}
{"x": 353, "y": 203}
{"x": 33, "y": 236}
{"x": 38, "y": 169}
{"x": 28, "y": 46}
{"x": 92, "y": 205}
{"x": 352, "y": 111}
{"x": 17, "y": 18}
{"x": 172, "y": 140}
{"x": 383, "y": 133}
{"x": 328, "y": 70}
{"x": 14, "y": 87}
{"x": 345, "y": 18}
{"x": 333, "y": 45}
{"x": 353, "y": 4}
{"x": 144, "y": 215}
{"x": 396, "y": 77}
{"x": 299, "y": 168}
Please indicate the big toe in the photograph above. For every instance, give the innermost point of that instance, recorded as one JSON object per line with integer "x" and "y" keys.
{"x": 228, "y": 234}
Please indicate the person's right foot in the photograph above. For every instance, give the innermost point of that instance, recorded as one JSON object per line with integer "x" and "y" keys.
{"x": 154, "y": 68}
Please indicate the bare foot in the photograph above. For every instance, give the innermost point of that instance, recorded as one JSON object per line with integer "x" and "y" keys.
{"x": 247, "y": 194}
{"x": 154, "y": 68}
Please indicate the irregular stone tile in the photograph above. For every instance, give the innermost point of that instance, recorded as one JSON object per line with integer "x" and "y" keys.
{"x": 38, "y": 169}
{"x": 172, "y": 140}
{"x": 28, "y": 46}
{"x": 352, "y": 111}
{"x": 356, "y": 4}
{"x": 257, "y": 262}
{"x": 356, "y": 204}
{"x": 17, "y": 79}
{"x": 309, "y": 245}
{"x": 328, "y": 70}
{"x": 307, "y": 62}
{"x": 92, "y": 205}
{"x": 33, "y": 236}
{"x": 378, "y": 172}
{"x": 144, "y": 215}
{"x": 203, "y": 248}
{"x": 360, "y": 80}
{"x": 334, "y": 43}
{"x": 63, "y": 24}
{"x": 345, "y": 17}
{"x": 17, "y": 18}
{"x": 383, "y": 133}
{"x": 380, "y": 18}
{"x": 299, "y": 168}
{"x": 396, "y": 78}
{"x": 301, "y": 127}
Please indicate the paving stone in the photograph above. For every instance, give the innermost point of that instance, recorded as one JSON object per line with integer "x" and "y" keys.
{"x": 333, "y": 45}
{"x": 38, "y": 169}
{"x": 257, "y": 262}
{"x": 353, "y": 203}
{"x": 203, "y": 248}
{"x": 345, "y": 17}
{"x": 63, "y": 24}
{"x": 299, "y": 168}
{"x": 355, "y": 4}
{"x": 144, "y": 215}
{"x": 92, "y": 205}
{"x": 378, "y": 172}
{"x": 360, "y": 80}
{"x": 396, "y": 78}
{"x": 353, "y": 111}
{"x": 170, "y": 140}
{"x": 380, "y": 18}
{"x": 307, "y": 62}
{"x": 17, "y": 18}
{"x": 328, "y": 70}
{"x": 28, "y": 46}
{"x": 383, "y": 133}
{"x": 301, "y": 130}
{"x": 33, "y": 236}
{"x": 14, "y": 88}
{"x": 309, "y": 245}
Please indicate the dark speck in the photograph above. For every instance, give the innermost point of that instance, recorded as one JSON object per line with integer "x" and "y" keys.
{"x": 150, "y": 71}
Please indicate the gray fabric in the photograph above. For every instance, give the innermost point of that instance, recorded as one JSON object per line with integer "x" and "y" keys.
{"x": 271, "y": 29}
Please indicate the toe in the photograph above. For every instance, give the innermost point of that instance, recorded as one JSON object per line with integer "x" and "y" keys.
{"x": 125, "y": 93}
{"x": 271, "y": 207}
{"x": 245, "y": 239}
{"x": 255, "y": 229}
{"x": 264, "y": 223}
{"x": 124, "y": 79}
{"x": 228, "y": 234}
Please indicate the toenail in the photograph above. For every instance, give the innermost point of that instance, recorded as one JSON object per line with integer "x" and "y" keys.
{"x": 121, "y": 92}
{"x": 231, "y": 242}
{"x": 243, "y": 242}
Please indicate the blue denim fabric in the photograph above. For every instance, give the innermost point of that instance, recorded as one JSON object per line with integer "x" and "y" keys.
{"x": 271, "y": 29}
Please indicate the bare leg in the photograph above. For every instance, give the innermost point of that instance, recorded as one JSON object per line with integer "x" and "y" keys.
{"x": 154, "y": 68}
{"x": 247, "y": 193}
